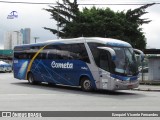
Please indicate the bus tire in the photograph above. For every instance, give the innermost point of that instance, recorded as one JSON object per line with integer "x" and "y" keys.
{"x": 31, "y": 79}
{"x": 86, "y": 84}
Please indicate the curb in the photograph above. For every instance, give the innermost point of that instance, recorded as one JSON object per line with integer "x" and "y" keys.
{"x": 147, "y": 89}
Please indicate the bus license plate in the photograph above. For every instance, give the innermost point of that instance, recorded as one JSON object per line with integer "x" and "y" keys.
{"x": 130, "y": 86}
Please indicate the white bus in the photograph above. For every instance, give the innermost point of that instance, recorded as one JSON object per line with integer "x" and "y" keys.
{"x": 91, "y": 62}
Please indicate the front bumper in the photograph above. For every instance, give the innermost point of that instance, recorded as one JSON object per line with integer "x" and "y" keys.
{"x": 125, "y": 85}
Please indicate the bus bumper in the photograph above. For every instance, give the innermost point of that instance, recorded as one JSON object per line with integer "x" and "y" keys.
{"x": 124, "y": 85}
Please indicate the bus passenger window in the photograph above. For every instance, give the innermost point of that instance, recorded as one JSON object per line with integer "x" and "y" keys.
{"x": 51, "y": 54}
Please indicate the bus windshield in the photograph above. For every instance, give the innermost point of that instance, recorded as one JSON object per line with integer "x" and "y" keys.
{"x": 125, "y": 63}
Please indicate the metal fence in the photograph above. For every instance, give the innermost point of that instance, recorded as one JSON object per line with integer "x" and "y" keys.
{"x": 150, "y": 69}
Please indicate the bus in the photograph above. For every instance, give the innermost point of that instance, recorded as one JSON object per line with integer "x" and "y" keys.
{"x": 5, "y": 67}
{"x": 86, "y": 62}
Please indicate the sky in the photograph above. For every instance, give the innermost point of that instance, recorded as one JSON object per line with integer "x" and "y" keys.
{"x": 32, "y": 16}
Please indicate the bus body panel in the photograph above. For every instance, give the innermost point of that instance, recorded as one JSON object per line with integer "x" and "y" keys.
{"x": 60, "y": 71}
{"x": 95, "y": 74}
{"x": 49, "y": 71}
{"x": 20, "y": 68}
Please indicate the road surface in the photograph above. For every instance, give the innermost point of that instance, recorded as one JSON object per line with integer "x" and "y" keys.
{"x": 18, "y": 95}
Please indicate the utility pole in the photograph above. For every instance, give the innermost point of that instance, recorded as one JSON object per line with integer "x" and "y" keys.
{"x": 35, "y": 38}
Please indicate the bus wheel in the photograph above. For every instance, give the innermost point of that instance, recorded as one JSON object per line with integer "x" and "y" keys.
{"x": 31, "y": 79}
{"x": 86, "y": 84}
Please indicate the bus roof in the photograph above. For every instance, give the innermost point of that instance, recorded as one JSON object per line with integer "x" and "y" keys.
{"x": 107, "y": 41}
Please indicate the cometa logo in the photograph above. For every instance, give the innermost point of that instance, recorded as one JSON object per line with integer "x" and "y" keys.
{"x": 62, "y": 65}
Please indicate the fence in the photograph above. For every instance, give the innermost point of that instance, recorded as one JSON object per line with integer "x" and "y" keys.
{"x": 150, "y": 70}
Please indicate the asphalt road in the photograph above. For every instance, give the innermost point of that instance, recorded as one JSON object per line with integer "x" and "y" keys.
{"x": 18, "y": 95}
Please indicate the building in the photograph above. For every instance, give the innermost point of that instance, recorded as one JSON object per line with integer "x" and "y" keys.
{"x": 150, "y": 68}
{"x": 7, "y": 40}
{"x": 12, "y": 38}
{"x": 154, "y": 68}
{"x": 16, "y": 38}
{"x": 26, "y": 35}
{"x": 153, "y": 64}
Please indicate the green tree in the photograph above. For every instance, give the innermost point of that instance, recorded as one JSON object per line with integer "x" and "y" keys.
{"x": 133, "y": 31}
{"x": 96, "y": 22}
{"x": 63, "y": 14}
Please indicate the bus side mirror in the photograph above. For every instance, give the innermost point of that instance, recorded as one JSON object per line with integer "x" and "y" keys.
{"x": 141, "y": 54}
{"x": 110, "y": 50}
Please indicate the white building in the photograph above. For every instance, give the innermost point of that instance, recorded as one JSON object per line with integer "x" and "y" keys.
{"x": 12, "y": 38}
{"x": 16, "y": 38}
{"x": 7, "y": 40}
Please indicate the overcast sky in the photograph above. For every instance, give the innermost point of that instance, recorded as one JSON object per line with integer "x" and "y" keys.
{"x": 32, "y": 16}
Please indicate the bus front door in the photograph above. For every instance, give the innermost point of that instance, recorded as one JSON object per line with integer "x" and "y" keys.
{"x": 104, "y": 69}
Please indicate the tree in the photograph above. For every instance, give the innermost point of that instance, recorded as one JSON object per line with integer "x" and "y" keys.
{"x": 134, "y": 33}
{"x": 63, "y": 14}
{"x": 101, "y": 23}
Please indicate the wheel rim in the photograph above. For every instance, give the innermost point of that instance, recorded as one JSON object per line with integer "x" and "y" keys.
{"x": 87, "y": 84}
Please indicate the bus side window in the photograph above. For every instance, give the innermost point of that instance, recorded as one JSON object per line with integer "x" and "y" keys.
{"x": 103, "y": 62}
{"x": 80, "y": 52}
{"x": 51, "y": 54}
{"x": 95, "y": 51}
{"x": 64, "y": 52}
{"x": 19, "y": 55}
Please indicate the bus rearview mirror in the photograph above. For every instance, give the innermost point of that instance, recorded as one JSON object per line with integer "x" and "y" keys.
{"x": 141, "y": 54}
